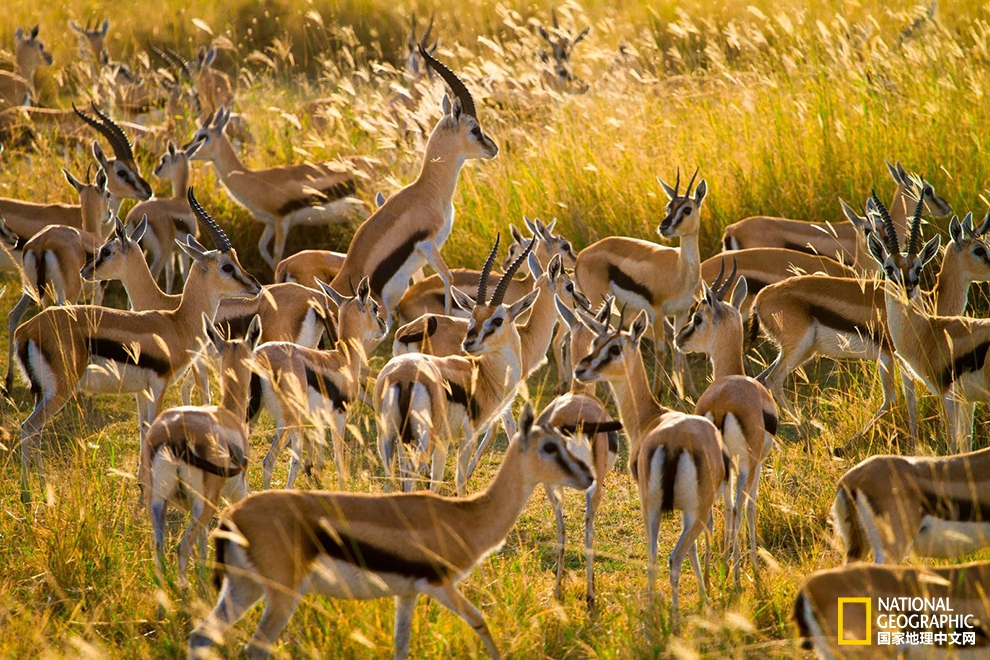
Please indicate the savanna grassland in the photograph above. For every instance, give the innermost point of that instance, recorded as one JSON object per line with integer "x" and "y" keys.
{"x": 784, "y": 107}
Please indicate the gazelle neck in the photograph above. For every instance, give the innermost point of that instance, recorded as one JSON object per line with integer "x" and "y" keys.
{"x": 180, "y": 179}
{"x": 235, "y": 391}
{"x": 440, "y": 172}
{"x": 634, "y": 399}
{"x": 355, "y": 356}
{"x": 500, "y": 504}
{"x": 142, "y": 289}
{"x": 226, "y": 160}
{"x": 689, "y": 258}
{"x": 198, "y": 298}
{"x": 727, "y": 358}
{"x": 535, "y": 336}
{"x": 951, "y": 288}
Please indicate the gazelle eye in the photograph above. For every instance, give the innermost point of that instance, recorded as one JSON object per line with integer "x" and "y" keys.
{"x": 980, "y": 252}
{"x": 476, "y": 131}
{"x": 497, "y": 321}
{"x": 228, "y": 268}
{"x": 614, "y": 350}
{"x": 697, "y": 319}
{"x": 551, "y": 448}
{"x": 570, "y": 288}
{"x": 105, "y": 252}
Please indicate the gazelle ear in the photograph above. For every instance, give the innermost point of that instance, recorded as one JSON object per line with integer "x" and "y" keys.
{"x": 193, "y": 249}
{"x": 701, "y": 191}
{"x": 34, "y": 31}
{"x": 894, "y": 174}
{"x": 212, "y": 334}
{"x": 211, "y": 55}
{"x": 590, "y": 322}
{"x": 456, "y": 109}
{"x": 73, "y": 181}
{"x": 516, "y": 234}
{"x": 253, "y": 336}
{"x": 555, "y": 267}
{"x": 140, "y": 229}
{"x": 171, "y": 148}
{"x": 364, "y": 291}
{"x": 533, "y": 227}
{"x": 876, "y": 247}
{"x": 930, "y": 250}
{"x": 582, "y": 35}
{"x": 522, "y": 305}
{"x": 666, "y": 189}
{"x": 445, "y": 105}
{"x": 566, "y": 315}
{"x": 526, "y": 419}
{"x": 106, "y": 26}
{"x": 118, "y": 230}
{"x": 192, "y": 148}
{"x": 462, "y": 300}
{"x": 534, "y": 266}
{"x": 739, "y": 292}
{"x": 858, "y": 221}
{"x": 956, "y": 232}
{"x": 706, "y": 293}
{"x": 379, "y": 199}
{"x": 337, "y": 299}
{"x": 638, "y": 327}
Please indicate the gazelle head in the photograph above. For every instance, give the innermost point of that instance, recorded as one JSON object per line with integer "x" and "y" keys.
{"x": 208, "y": 138}
{"x": 546, "y": 454}
{"x": 122, "y": 170}
{"x": 181, "y": 95}
{"x": 94, "y": 199}
{"x": 562, "y": 43}
{"x": 30, "y": 53}
{"x": 548, "y": 244}
{"x": 94, "y": 36}
{"x": 358, "y": 317}
{"x": 458, "y": 132}
{"x": 174, "y": 162}
{"x": 111, "y": 261}
{"x": 492, "y": 325}
{"x": 584, "y": 328}
{"x": 901, "y": 269}
{"x": 969, "y": 247}
{"x": 714, "y": 320}
{"x": 205, "y": 58}
{"x": 236, "y": 355}
{"x": 936, "y": 206}
{"x": 683, "y": 211}
{"x": 557, "y": 282}
{"x": 612, "y": 351}
{"x": 222, "y": 272}
{"x": 415, "y": 65}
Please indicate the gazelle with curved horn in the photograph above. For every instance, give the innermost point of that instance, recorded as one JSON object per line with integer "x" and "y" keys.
{"x": 424, "y": 402}
{"x": 278, "y": 545}
{"x": 843, "y": 241}
{"x": 278, "y": 197}
{"x": 660, "y": 280}
{"x": 740, "y": 407}
{"x": 195, "y": 455}
{"x": 302, "y": 386}
{"x": 947, "y": 353}
{"x": 846, "y": 318}
{"x": 560, "y": 73}
{"x": 16, "y": 87}
{"x": 54, "y": 256}
{"x": 677, "y": 460}
{"x": 408, "y": 231}
{"x": 97, "y": 349}
{"x": 416, "y": 67}
{"x": 125, "y": 180}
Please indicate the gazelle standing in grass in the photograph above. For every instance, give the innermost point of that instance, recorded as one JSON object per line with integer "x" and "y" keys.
{"x": 408, "y": 231}
{"x": 560, "y": 73}
{"x": 169, "y": 218}
{"x": 280, "y": 545}
{"x": 740, "y": 407}
{"x": 677, "y": 460}
{"x": 98, "y": 349}
{"x": 302, "y": 385}
{"x": 192, "y": 456}
{"x": 17, "y": 87}
{"x": 660, "y": 280}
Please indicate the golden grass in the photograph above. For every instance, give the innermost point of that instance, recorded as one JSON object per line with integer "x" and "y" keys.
{"x": 784, "y": 108}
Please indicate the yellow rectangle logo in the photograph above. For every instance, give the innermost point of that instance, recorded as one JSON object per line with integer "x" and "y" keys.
{"x": 868, "y": 603}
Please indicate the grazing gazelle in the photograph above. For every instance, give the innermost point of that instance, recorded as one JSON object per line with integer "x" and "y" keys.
{"x": 54, "y": 256}
{"x": 169, "y": 218}
{"x": 677, "y": 460}
{"x": 660, "y": 280}
{"x": 300, "y": 385}
{"x": 278, "y": 197}
{"x": 840, "y": 240}
{"x": 98, "y": 349}
{"x": 125, "y": 180}
{"x": 928, "y": 507}
{"x": 824, "y": 621}
{"x": 739, "y": 406}
{"x": 409, "y": 229}
{"x": 947, "y": 353}
{"x": 280, "y": 545}
{"x": 191, "y": 456}
{"x": 29, "y": 54}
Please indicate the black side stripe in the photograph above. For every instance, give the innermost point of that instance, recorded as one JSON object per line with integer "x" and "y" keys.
{"x": 22, "y": 353}
{"x": 327, "y": 388}
{"x": 42, "y": 274}
{"x": 837, "y": 321}
{"x": 971, "y": 361}
{"x": 254, "y": 398}
{"x": 622, "y": 280}
{"x": 114, "y": 351}
{"x": 391, "y": 264}
{"x": 183, "y": 452}
{"x": 366, "y": 555}
{"x": 591, "y": 428}
{"x": 328, "y": 194}
{"x": 457, "y": 395}
{"x": 770, "y": 421}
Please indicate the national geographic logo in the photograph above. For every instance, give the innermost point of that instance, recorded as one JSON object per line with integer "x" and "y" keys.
{"x": 905, "y": 621}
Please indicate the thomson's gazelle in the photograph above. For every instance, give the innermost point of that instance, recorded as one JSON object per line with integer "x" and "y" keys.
{"x": 279, "y": 545}
{"x": 16, "y": 87}
{"x": 124, "y": 176}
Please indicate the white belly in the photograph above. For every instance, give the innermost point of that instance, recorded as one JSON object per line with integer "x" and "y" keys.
{"x": 337, "y": 579}
{"x": 947, "y": 538}
{"x": 109, "y": 377}
{"x": 845, "y": 345}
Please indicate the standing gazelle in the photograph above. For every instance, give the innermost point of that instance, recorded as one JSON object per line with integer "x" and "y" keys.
{"x": 279, "y": 545}
{"x": 947, "y": 353}
{"x": 98, "y": 349}
{"x": 193, "y": 455}
{"x": 739, "y": 406}
{"x": 677, "y": 460}
{"x": 16, "y": 87}
{"x": 660, "y": 280}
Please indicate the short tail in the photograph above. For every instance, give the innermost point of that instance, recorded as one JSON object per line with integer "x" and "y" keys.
{"x": 801, "y": 621}
{"x": 730, "y": 243}
{"x": 220, "y": 541}
{"x": 254, "y": 397}
{"x": 754, "y": 327}
{"x": 847, "y": 525}
{"x": 405, "y": 410}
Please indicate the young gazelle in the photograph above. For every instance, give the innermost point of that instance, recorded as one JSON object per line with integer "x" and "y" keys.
{"x": 469, "y": 390}
{"x": 739, "y": 406}
{"x": 660, "y": 280}
{"x": 947, "y": 353}
{"x": 818, "y": 610}
{"x": 409, "y": 229}
{"x": 677, "y": 460}
{"x": 929, "y": 507}
{"x": 839, "y": 240}
{"x": 54, "y": 256}
{"x": 279, "y": 545}
{"x": 125, "y": 180}
{"x": 278, "y": 197}
{"x": 169, "y": 218}
{"x": 99, "y": 349}
{"x": 192, "y": 456}
{"x": 302, "y": 385}
{"x": 17, "y": 86}
{"x": 847, "y": 318}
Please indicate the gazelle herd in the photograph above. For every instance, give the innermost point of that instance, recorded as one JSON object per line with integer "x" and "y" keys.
{"x": 464, "y": 345}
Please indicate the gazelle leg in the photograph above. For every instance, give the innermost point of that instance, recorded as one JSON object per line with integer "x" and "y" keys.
{"x": 237, "y": 595}
{"x": 753, "y": 491}
{"x": 338, "y": 426}
{"x": 593, "y": 497}
{"x": 266, "y": 237}
{"x": 432, "y": 255}
{"x": 448, "y": 596}
{"x": 685, "y": 547}
{"x": 438, "y": 463}
{"x": 278, "y": 444}
{"x": 199, "y": 519}
{"x": 558, "y": 514}
{"x": 13, "y": 320}
{"x": 279, "y": 609}
{"x": 911, "y": 401}
{"x": 404, "y": 608}
{"x": 30, "y": 435}
{"x": 885, "y": 364}
{"x": 281, "y": 236}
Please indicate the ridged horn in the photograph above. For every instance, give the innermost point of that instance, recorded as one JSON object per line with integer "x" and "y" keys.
{"x": 721, "y": 290}
{"x": 212, "y": 228}
{"x": 892, "y": 241}
{"x": 482, "y": 297}
{"x": 914, "y": 241}
{"x": 503, "y": 284}
{"x": 110, "y": 130}
{"x": 687, "y": 193}
{"x": 455, "y": 84}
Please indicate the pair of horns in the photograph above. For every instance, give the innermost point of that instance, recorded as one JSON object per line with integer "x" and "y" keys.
{"x": 426, "y": 35}
{"x": 220, "y": 239}
{"x": 914, "y": 233}
{"x": 677, "y": 182}
{"x": 110, "y": 130}
{"x": 503, "y": 284}
{"x": 719, "y": 287}
{"x": 173, "y": 60}
{"x": 456, "y": 86}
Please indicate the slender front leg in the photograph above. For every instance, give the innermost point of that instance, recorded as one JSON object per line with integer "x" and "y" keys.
{"x": 448, "y": 596}
{"x": 404, "y": 608}
{"x": 436, "y": 261}
{"x": 558, "y": 514}
{"x": 281, "y": 236}
{"x": 338, "y": 426}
